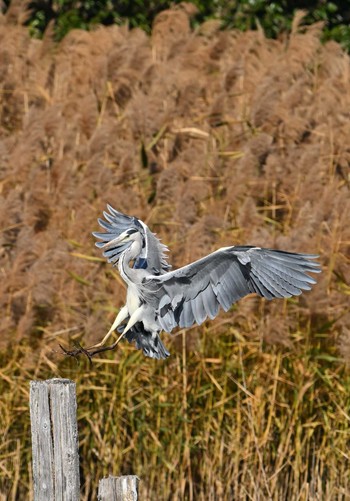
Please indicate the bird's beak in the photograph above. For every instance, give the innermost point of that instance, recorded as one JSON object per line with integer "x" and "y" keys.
{"x": 115, "y": 242}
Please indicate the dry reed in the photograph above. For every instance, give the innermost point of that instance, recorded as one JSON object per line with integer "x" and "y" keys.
{"x": 214, "y": 138}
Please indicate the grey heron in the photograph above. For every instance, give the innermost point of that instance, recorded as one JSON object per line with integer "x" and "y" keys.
{"x": 161, "y": 299}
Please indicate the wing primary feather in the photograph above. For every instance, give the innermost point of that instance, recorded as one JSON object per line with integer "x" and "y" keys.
{"x": 290, "y": 273}
{"x": 292, "y": 260}
{"x": 285, "y": 281}
{"x": 261, "y": 289}
{"x": 104, "y": 236}
{"x": 106, "y": 226}
{"x": 272, "y": 284}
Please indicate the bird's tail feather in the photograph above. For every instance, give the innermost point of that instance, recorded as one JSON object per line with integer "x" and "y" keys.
{"x": 150, "y": 343}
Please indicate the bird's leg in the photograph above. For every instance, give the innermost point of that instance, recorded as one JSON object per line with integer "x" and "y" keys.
{"x": 99, "y": 348}
{"x": 122, "y": 315}
{"x": 89, "y": 352}
{"x": 135, "y": 317}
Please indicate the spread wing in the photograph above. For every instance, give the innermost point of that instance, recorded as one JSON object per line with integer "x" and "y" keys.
{"x": 191, "y": 294}
{"x": 152, "y": 257}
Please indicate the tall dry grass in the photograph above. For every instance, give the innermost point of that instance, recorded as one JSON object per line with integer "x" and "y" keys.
{"x": 213, "y": 138}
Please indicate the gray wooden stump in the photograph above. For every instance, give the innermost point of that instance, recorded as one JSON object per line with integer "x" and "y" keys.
{"x": 123, "y": 488}
{"x": 53, "y": 410}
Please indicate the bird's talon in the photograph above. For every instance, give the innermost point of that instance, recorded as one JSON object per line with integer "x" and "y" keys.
{"x": 86, "y": 352}
{"x": 71, "y": 353}
{"x": 80, "y": 350}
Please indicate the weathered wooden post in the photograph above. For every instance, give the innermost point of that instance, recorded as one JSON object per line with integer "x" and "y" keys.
{"x": 124, "y": 488}
{"x": 53, "y": 414}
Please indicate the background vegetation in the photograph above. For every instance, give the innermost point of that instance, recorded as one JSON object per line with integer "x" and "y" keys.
{"x": 213, "y": 138}
{"x": 274, "y": 17}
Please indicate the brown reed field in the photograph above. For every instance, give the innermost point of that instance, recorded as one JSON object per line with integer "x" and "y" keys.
{"x": 213, "y": 138}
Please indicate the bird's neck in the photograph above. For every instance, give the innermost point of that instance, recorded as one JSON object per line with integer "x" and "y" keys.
{"x": 125, "y": 270}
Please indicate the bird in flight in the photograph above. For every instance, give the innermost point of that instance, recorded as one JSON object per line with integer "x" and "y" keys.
{"x": 159, "y": 299}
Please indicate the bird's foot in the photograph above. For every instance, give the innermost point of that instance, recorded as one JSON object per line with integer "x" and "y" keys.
{"x": 88, "y": 352}
{"x": 80, "y": 350}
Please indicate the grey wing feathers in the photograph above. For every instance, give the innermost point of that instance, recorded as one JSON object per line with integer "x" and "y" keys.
{"x": 152, "y": 257}
{"x": 191, "y": 294}
{"x": 282, "y": 274}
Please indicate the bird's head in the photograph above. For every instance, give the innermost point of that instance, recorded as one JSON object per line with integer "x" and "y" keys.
{"x": 125, "y": 239}
{"x": 129, "y": 240}
{"x": 124, "y": 235}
